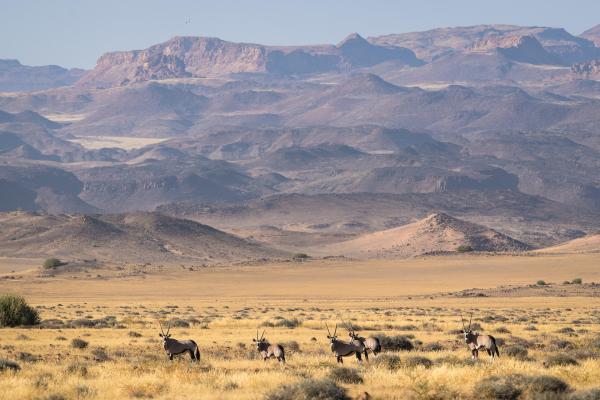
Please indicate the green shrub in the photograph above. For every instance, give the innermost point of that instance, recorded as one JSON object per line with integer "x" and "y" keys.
{"x": 309, "y": 389}
{"x": 577, "y": 281}
{"x": 51, "y": 263}
{"x": 79, "y": 343}
{"x": 6, "y": 365}
{"x": 345, "y": 375}
{"x": 541, "y": 282}
{"x": 464, "y": 248}
{"x": 14, "y": 311}
{"x": 299, "y": 256}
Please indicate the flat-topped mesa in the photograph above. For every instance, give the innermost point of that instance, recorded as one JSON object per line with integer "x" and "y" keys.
{"x": 176, "y": 58}
{"x": 182, "y": 57}
{"x": 525, "y": 49}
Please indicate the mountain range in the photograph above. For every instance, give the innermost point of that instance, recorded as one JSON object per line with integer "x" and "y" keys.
{"x": 296, "y": 145}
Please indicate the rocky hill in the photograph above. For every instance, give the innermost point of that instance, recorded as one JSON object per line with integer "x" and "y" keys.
{"x": 433, "y": 234}
{"x": 121, "y": 238}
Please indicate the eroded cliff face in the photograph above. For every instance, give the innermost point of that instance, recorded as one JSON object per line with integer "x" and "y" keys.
{"x": 179, "y": 57}
{"x": 183, "y": 57}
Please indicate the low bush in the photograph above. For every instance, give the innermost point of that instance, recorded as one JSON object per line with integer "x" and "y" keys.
{"x": 562, "y": 345}
{"x": 79, "y": 343}
{"x": 545, "y": 384}
{"x": 345, "y": 375}
{"x": 396, "y": 343}
{"x": 134, "y": 334}
{"x": 417, "y": 361}
{"x": 498, "y": 388}
{"x": 14, "y": 311}
{"x": 577, "y": 281}
{"x": 51, "y": 263}
{"x": 516, "y": 351}
{"x": 391, "y": 362}
{"x": 7, "y": 365}
{"x": 179, "y": 323}
{"x": 541, "y": 282}
{"x": 559, "y": 360}
{"x": 309, "y": 389}
{"x": 515, "y": 386}
{"x": 464, "y": 248}
{"x": 435, "y": 346}
{"x": 592, "y": 394}
{"x": 288, "y": 323}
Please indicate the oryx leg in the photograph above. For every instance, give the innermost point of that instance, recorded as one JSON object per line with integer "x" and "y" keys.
{"x": 367, "y": 355}
{"x": 474, "y": 354}
{"x": 171, "y": 356}
{"x": 358, "y": 357}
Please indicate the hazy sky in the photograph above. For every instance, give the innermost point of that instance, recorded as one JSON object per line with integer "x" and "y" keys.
{"x": 76, "y": 33}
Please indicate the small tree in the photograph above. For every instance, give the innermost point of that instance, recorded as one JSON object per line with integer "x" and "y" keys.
{"x": 541, "y": 283}
{"x": 14, "y": 311}
{"x": 51, "y": 263}
{"x": 577, "y": 281}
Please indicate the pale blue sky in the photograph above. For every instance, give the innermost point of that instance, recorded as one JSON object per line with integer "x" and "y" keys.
{"x": 75, "y": 33}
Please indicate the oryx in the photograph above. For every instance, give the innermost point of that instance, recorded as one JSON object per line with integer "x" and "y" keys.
{"x": 268, "y": 350}
{"x": 174, "y": 346}
{"x": 343, "y": 349}
{"x": 371, "y": 343}
{"x": 476, "y": 341}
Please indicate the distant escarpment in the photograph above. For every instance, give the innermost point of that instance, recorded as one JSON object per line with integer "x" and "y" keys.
{"x": 182, "y": 57}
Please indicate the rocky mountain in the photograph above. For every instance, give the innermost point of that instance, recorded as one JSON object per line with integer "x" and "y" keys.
{"x": 433, "y": 44}
{"x": 15, "y": 77}
{"x": 183, "y": 57}
{"x": 124, "y": 238}
{"x": 294, "y": 146}
{"x": 592, "y": 34}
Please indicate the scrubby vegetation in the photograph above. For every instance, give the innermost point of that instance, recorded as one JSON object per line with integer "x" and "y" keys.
{"x": 464, "y": 248}
{"x": 309, "y": 389}
{"x": 14, "y": 311}
{"x": 51, "y": 263}
{"x": 93, "y": 351}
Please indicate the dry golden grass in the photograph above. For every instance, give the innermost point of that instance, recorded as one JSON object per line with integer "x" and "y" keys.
{"x": 225, "y": 306}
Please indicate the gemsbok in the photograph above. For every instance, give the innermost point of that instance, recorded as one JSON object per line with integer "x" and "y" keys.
{"x": 342, "y": 349}
{"x": 268, "y": 350}
{"x": 370, "y": 344}
{"x": 174, "y": 347}
{"x": 477, "y": 341}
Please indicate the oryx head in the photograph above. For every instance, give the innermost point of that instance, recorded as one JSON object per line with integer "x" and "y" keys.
{"x": 351, "y": 332}
{"x": 331, "y": 337}
{"x": 467, "y": 332}
{"x": 259, "y": 341}
{"x": 162, "y": 333}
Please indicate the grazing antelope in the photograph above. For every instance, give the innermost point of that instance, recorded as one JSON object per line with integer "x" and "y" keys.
{"x": 343, "y": 349}
{"x": 174, "y": 346}
{"x": 476, "y": 341}
{"x": 268, "y": 350}
{"x": 371, "y": 343}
